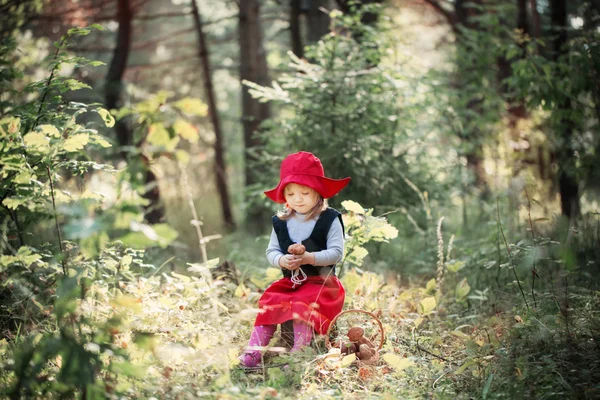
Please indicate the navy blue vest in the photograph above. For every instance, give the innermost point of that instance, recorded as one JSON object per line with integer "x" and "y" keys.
{"x": 317, "y": 240}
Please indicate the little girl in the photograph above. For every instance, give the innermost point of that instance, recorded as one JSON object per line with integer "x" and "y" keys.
{"x": 309, "y": 294}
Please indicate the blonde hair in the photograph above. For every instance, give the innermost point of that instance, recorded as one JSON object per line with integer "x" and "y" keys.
{"x": 314, "y": 212}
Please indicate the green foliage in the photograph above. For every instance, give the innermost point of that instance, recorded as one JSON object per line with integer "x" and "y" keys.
{"x": 354, "y": 112}
{"x": 159, "y": 128}
{"x": 59, "y": 348}
{"x": 362, "y": 227}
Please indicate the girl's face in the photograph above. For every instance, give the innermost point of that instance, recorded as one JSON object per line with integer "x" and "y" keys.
{"x": 300, "y": 198}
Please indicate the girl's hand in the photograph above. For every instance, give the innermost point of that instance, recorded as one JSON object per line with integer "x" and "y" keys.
{"x": 288, "y": 262}
{"x": 297, "y": 261}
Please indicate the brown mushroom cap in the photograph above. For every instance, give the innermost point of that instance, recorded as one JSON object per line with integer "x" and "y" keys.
{"x": 296, "y": 249}
{"x": 355, "y": 333}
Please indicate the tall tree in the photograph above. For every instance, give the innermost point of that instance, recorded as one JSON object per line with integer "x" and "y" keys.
{"x": 309, "y": 22}
{"x": 253, "y": 68}
{"x": 114, "y": 78}
{"x": 567, "y": 181}
{"x": 113, "y": 91}
{"x": 220, "y": 167}
{"x": 317, "y": 20}
{"x": 296, "y": 28}
{"x": 461, "y": 15}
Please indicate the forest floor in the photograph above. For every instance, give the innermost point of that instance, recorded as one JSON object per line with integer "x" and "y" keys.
{"x": 198, "y": 327}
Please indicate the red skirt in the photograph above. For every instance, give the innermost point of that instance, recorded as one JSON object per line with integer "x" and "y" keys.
{"x": 317, "y": 301}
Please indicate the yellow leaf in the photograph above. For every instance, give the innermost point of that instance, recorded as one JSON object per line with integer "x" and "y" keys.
{"x": 351, "y": 282}
{"x": 49, "y": 130}
{"x": 462, "y": 289}
{"x": 348, "y": 360}
{"x": 358, "y": 253}
{"x": 430, "y": 285}
{"x": 201, "y": 342}
{"x": 109, "y": 120}
{"x": 397, "y": 362}
{"x": 23, "y": 177}
{"x": 13, "y": 203}
{"x": 100, "y": 140}
{"x": 37, "y": 141}
{"x": 186, "y": 130}
{"x": 353, "y": 206}
{"x": 182, "y": 156}
{"x": 158, "y": 135}
{"x": 12, "y": 125}
{"x": 128, "y": 302}
{"x": 273, "y": 273}
{"x": 385, "y": 231}
{"x": 76, "y": 142}
{"x": 233, "y": 354}
{"x": 427, "y": 305}
{"x": 241, "y": 291}
{"x": 459, "y": 334}
{"x": 192, "y": 106}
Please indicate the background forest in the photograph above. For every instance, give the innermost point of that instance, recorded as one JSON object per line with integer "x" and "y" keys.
{"x": 137, "y": 138}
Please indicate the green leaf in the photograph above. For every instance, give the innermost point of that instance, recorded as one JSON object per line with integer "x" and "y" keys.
{"x": 145, "y": 340}
{"x": 128, "y": 369}
{"x": 486, "y": 387}
{"x": 147, "y": 236}
{"x": 462, "y": 289}
{"x": 192, "y": 106}
{"x": 109, "y": 120}
{"x": 427, "y": 305}
{"x": 455, "y": 266}
{"x": 76, "y": 142}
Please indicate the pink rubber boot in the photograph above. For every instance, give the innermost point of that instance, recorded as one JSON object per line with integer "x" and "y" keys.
{"x": 302, "y": 335}
{"x": 260, "y": 337}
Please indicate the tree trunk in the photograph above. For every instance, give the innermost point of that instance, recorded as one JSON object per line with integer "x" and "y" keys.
{"x": 154, "y": 212}
{"x": 317, "y": 20}
{"x": 253, "y": 68}
{"x": 536, "y": 30}
{"x": 220, "y": 171}
{"x": 114, "y": 77}
{"x": 567, "y": 181}
{"x": 516, "y": 108}
{"x": 295, "y": 30}
{"x": 473, "y": 135}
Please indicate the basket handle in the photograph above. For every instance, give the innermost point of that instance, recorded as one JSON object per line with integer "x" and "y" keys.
{"x": 356, "y": 311}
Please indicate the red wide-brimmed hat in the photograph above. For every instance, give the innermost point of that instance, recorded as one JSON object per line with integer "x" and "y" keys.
{"x": 305, "y": 169}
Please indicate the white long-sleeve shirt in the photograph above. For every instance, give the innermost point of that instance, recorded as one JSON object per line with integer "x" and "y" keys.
{"x": 300, "y": 229}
